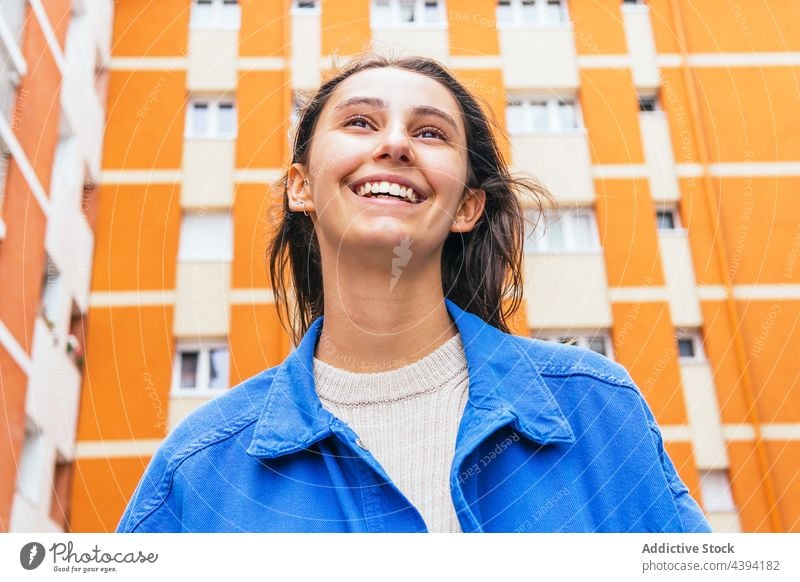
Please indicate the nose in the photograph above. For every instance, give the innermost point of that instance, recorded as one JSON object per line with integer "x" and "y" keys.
{"x": 395, "y": 144}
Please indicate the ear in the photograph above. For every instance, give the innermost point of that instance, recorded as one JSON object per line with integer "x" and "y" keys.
{"x": 298, "y": 189}
{"x": 470, "y": 210}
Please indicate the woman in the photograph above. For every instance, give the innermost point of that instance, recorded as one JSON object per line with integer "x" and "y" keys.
{"x": 409, "y": 406}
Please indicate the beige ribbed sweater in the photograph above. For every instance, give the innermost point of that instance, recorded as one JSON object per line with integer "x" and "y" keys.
{"x": 408, "y": 419}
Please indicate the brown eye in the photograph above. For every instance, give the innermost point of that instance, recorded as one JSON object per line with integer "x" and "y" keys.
{"x": 431, "y": 133}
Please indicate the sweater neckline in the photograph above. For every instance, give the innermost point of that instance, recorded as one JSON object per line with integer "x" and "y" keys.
{"x": 428, "y": 374}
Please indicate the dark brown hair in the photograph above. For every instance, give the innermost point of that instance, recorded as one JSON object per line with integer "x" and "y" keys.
{"x": 481, "y": 269}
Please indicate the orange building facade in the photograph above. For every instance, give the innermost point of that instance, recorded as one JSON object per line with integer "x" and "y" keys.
{"x": 667, "y": 132}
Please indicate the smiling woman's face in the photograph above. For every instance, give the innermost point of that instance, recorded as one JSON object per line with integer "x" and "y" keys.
{"x": 386, "y": 129}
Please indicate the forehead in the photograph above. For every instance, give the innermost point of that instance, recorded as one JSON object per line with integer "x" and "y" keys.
{"x": 399, "y": 88}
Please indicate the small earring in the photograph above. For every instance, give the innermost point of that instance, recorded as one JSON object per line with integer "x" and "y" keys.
{"x": 302, "y": 203}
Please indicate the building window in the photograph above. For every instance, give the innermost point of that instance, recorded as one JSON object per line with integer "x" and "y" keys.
{"x": 715, "y": 488}
{"x": 31, "y": 465}
{"x": 5, "y": 158}
{"x": 206, "y": 237}
{"x": 407, "y": 13}
{"x": 564, "y": 231}
{"x": 667, "y": 219}
{"x": 690, "y": 346}
{"x": 531, "y": 13}
{"x": 214, "y": 118}
{"x": 216, "y": 14}
{"x": 534, "y": 115}
{"x": 51, "y": 294}
{"x": 596, "y": 342}
{"x": 649, "y": 103}
{"x": 305, "y": 6}
{"x": 201, "y": 367}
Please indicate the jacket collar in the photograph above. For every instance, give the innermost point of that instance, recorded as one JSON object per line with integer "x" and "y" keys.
{"x": 504, "y": 384}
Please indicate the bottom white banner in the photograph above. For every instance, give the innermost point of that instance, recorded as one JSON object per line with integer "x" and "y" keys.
{"x": 355, "y": 557}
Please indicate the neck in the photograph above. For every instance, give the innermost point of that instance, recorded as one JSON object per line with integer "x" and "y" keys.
{"x": 382, "y": 319}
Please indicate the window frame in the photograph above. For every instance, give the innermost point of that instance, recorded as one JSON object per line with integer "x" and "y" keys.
{"x": 649, "y": 97}
{"x": 583, "y": 339}
{"x": 218, "y": 19}
{"x": 395, "y": 21}
{"x": 539, "y": 246}
{"x": 717, "y": 500}
{"x": 543, "y": 20}
{"x": 553, "y": 107}
{"x": 676, "y": 218}
{"x": 190, "y": 254}
{"x": 203, "y": 347}
{"x": 697, "y": 345}
{"x": 305, "y": 10}
{"x": 214, "y": 105}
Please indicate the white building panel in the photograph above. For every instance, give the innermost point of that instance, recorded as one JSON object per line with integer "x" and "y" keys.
{"x": 562, "y": 162}
{"x": 433, "y": 43}
{"x": 704, "y": 416}
{"x": 566, "y": 291}
{"x": 306, "y": 51}
{"x": 208, "y": 166}
{"x": 661, "y": 171}
{"x": 539, "y": 59}
{"x": 676, "y": 260}
{"x": 212, "y": 60}
{"x": 641, "y": 46}
{"x": 201, "y": 299}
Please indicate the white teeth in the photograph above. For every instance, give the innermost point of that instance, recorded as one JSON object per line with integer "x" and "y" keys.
{"x": 386, "y": 187}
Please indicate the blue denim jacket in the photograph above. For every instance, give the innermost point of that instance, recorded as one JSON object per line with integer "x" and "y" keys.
{"x": 553, "y": 438}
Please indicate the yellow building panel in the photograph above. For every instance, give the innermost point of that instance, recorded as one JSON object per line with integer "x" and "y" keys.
{"x": 783, "y": 457}
{"x": 644, "y": 342}
{"x": 345, "y": 27}
{"x": 264, "y": 28}
{"x": 101, "y": 489}
{"x": 626, "y": 222}
{"x": 257, "y": 340}
{"x": 675, "y": 102}
{"x": 663, "y": 26}
{"x": 136, "y": 238}
{"x": 251, "y": 209}
{"x": 750, "y": 113}
{"x": 695, "y": 217}
{"x": 598, "y": 27}
{"x": 747, "y": 487}
{"x": 472, "y": 27}
{"x": 682, "y": 456}
{"x": 761, "y": 225}
{"x": 741, "y": 27}
{"x": 719, "y": 348}
{"x": 128, "y": 373}
{"x": 152, "y": 29}
{"x": 145, "y": 120}
{"x": 263, "y": 119}
{"x": 611, "y": 115}
{"x": 487, "y": 85}
{"x": 771, "y": 331}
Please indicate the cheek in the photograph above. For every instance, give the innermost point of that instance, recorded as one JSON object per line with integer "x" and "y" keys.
{"x": 332, "y": 159}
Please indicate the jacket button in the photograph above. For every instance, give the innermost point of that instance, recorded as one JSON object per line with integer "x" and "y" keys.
{"x": 361, "y": 444}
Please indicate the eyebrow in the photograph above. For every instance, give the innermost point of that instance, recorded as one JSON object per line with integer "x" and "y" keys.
{"x": 381, "y": 104}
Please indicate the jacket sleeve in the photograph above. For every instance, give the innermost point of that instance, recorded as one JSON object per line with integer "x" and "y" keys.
{"x": 692, "y": 518}
{"x": 153, "y": 507}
